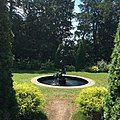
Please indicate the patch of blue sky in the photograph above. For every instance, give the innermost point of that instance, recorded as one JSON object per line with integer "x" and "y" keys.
{"x": 76, "y": 10}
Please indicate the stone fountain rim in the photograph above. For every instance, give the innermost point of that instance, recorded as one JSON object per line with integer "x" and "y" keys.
{"x": 90, "y": 82}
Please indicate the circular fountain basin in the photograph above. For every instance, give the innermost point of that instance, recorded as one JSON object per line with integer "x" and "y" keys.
{"x": 71, "y": 81}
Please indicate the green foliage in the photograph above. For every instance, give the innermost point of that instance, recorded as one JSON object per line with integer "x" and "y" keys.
{"x": 112, "y": 103}
{"x": 80, "y": 56}
{"x": 46, "y": 26}
{"x": 30, "y": 102}
{"x": 70, "y": 68}
{"x": 26, "y": 64}
{"x": 65, "y": 52}
{"x": 102, "y": 66}
{"x": 94, "y": 69}
{"x": 49, "y": 65}
{"x": 97, "y": 27}
{"x": 90, "y": 101}
{"x": 8, "y": 105}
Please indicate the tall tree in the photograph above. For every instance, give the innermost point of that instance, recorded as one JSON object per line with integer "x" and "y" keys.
{"x": 47, "y": 23}
{"x": 110, "y": 13}
{"x": 98, "y": 21}
{"x": 112, "y": 105}
{"x": 7, "y": 93}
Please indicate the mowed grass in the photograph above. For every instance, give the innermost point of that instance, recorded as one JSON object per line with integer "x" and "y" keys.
{"x": 50, "y": 93}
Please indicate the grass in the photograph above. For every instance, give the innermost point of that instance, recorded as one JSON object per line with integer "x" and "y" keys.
{"x": 50, "y": 93}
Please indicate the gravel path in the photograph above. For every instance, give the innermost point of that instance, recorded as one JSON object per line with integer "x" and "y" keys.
{"x": 59, "y": 110}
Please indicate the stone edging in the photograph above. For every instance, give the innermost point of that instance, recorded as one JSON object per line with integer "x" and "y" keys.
{"x": 90, "y": 82}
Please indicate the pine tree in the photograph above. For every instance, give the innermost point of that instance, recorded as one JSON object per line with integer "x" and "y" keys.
{"x": 7, "y": 94}
{"x": 112, "y": 103}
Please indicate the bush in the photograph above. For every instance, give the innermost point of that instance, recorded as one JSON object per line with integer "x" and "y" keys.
{"x": 102, "y": 65}
{"x": 27, "y": 64}
{"x": 48, "y": 66}
{"x": 112, "y": 102}
{"x": 30, "y": 102}
{"x": 94, "y": 69}
{"x": 70, "y": 68}
{"x": 90, "y": 101}
{"x": 34, "y": 65}
{"x": 86, "y": 69}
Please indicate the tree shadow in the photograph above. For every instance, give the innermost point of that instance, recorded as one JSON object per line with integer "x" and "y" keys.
{"x": 33, "y": 116}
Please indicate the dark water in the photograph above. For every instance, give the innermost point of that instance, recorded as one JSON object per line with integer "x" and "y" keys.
{"x": 70, "y": 81}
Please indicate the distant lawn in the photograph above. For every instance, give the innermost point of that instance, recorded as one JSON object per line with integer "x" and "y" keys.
{"x": 50, "y": 93}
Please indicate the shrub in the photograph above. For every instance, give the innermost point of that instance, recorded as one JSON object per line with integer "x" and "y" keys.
{"x": 30, "y": 102}
{"x": 102, "y": 65}
{"x": 112, "y": 103}
{"x": 27, "y": 64}
{"x": 7, "y": 93}
{"x": 94, "y": 69}
{"x": 90, "y": 101}
{"x": 48, "y": 66}
{"x": 70, "y": 68}
{"x": 34, "y": 65}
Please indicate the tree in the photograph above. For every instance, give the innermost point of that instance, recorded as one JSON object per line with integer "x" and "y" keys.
{"x": 112, "y": 103}
{"x": 66, "y": 53}
{"x": 110, "y": 13}
{"x": 45, "y": 26}
{"x": 80, "y": 56}
{"x": 7, "y": 93}
{"x": 98, "y": 21}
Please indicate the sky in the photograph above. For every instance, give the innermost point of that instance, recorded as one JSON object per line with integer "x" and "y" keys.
{"x": 76, "y": 9}
{"x": 77, "y": 2}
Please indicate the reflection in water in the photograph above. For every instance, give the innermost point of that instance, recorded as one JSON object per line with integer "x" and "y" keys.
{"x": 70, "y": 81}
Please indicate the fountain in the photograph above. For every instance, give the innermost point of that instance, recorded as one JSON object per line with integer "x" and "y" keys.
{"x": 61, "y": 80}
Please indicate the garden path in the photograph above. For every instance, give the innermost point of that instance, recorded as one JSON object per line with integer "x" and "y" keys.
{"x": 59, "y": 110}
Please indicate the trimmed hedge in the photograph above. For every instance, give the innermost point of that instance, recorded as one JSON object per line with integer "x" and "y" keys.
{"x": 30, "y": 102}
{"x": 112, "y": 103}
{"x": 90, "y": 102}
{"x": 8, "y": 106}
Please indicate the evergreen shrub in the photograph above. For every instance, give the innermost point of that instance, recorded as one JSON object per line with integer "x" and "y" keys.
{"x": 94, "y": 69}
{"x": 30, "y": 102}
{"x": 26, "y": 64}
{"x": 112, "y": 102}
{"x": 8, "y": 104}
{"x": 70, "y": 68}
{"x": 103, "y": 66}
{"x": 90, "y": 102}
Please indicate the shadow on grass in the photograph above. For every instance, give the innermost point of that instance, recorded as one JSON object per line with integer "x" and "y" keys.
{"x": 39, "y": 116}
{"x": 78, "y": 115}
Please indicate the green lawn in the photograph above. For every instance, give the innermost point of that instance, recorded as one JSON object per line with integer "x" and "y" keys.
{"x": 50, "y": 93}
